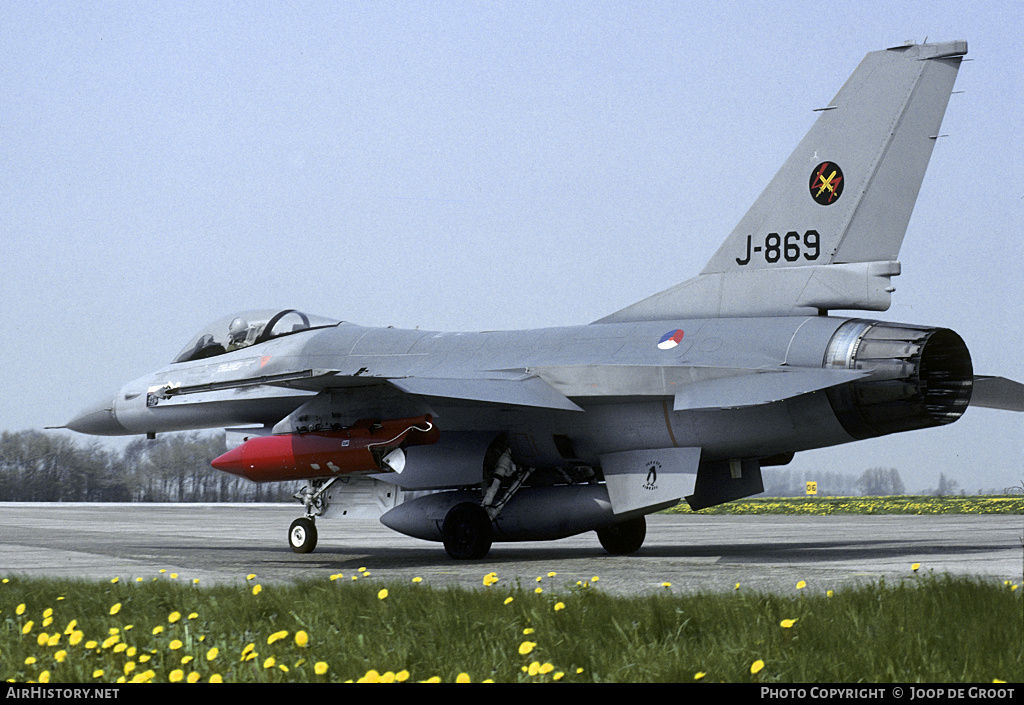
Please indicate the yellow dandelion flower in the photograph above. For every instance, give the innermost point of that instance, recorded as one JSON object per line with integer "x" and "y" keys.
{"x": 193, "y": 677}
{"x": 337, "y": 576}
{"x": 98, "y": 673}
{"x": 462, "y": 678}
{"x": 216, "y": 678}
{"x": 44, "y": 677}
{"x": 158, "y": 630}
{"x": 174, "y": 576}
{"x": 91, "y": 644}
{"x": 539, "y": 590}
{"x": 28, "y": 627}
{"x": 756, "y": 667}
{"x": 60, "y": 656}
{"x": 269, "y": 662}
{"x": 508, "y": 600}
{"x": 185, "y": 660}
{"x": 175, "y": 644}
{"x": 212, "y": 654}
{"x": 30, "y": 660}
{"x": 20, "y": 609}
{"x": 129, "y": 667}
{"x": 251, "y": 576}
{"x": 801, "y": 585}
{"x": 257, "y": 589}
{"x": 737, "y": 587}
{"x": 534, "y": 668}
{"x": 320, "y": 668}
{"x": 76, "y": 637}
{"x": 915, "y": 567}
{"x": 382, "y": 594}
{"x": 417, "y": 579}
{"x": 402, "y": 676}
{"x": 173, "y": 617}
{"x": 559, "y": 606}
{"x": 176, "y": 675}
{"x": 114, "y": 580}
{"x": 301, "y": 639}
{"x": 277, "y": 636}
{"x": 115, "y": 608}
{"x": 71, "y": 626}
{"x": 193, "y": 615}
{"x": 699, "y": 675}
{"x": 42, "y": 638}
{"x": 546, "y": 668}
{"x": 490, "y": 579}
{"x": 558, "y": 676}
{"x": 594, "y": 579}
{"x": 666, "y": 585}
{"x": 48, "y": 612}
{"x": 526, "y": 647}
{"x": 787, "y": 623}
{"x": 370, "y": 676}
{"x": 829, "y": 593}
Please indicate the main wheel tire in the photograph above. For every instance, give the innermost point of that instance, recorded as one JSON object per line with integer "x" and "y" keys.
{"x": 625, "y": 538}
{"x": 467, "y": 532}
{"x": 302, "y": 535}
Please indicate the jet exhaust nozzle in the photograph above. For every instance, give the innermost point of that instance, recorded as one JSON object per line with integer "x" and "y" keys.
{"x": 921, "y": 377}
{"x": 366, "y": 446}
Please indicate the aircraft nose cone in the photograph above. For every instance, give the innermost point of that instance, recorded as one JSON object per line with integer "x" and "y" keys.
{"x": 97, "y": 420}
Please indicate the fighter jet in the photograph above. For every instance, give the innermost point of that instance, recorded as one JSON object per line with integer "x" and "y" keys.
{"x": 472, "y": 438}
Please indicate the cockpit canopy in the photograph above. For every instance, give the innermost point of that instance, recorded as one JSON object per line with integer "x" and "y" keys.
{"x": 240, "y": 330}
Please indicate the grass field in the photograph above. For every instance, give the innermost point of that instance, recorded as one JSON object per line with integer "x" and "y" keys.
{"x": 910, "y": 504}
{"x": 926, "y": 628}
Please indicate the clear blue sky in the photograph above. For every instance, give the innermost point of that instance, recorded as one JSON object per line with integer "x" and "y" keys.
{"x": 463, "y": 166}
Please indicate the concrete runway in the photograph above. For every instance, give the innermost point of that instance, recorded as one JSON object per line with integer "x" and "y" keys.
{"x": 223, "y": 543}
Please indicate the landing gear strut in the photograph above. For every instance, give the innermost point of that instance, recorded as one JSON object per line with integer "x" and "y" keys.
{"x": 467, "y": 531}
{"x": 302, "y": 532}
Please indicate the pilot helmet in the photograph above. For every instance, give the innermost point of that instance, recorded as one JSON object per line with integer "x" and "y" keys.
{"x": 238, "y": 330}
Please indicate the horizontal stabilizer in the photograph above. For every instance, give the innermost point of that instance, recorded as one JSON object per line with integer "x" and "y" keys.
{"x": 997, "y": 393}
{"x": 526, "y": 391}
{"x": 759, "y": 388}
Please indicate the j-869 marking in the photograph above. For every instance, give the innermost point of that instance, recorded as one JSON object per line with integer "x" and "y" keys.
{"x": 789, "y": 248}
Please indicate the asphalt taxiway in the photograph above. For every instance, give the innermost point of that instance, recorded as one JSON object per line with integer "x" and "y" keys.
{"x": 219, "y": 543}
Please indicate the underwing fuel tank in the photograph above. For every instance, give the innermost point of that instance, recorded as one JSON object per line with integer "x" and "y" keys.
{"x": 533, "y": 514}
{"x": 366, "y": 446}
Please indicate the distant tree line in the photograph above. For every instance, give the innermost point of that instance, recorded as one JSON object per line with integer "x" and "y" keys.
{"x": 874, "y": 482}
{"x": 44, "y": 467}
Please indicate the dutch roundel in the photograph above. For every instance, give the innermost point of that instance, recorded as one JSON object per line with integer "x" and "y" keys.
{"x": 671, "y": 339}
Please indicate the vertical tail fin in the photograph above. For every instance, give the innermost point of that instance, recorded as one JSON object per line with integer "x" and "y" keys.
{"x": 826, "y": 231}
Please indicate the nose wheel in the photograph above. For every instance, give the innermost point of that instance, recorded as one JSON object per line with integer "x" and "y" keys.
{"x": 302, "y": 535}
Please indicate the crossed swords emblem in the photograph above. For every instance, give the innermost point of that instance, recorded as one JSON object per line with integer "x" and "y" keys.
{"x": 826, "y": 183}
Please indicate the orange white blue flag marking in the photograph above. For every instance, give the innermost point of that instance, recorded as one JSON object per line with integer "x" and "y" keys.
{"x": 671, "y": 339}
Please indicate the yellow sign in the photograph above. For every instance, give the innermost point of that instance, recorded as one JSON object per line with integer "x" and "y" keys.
{"x": 812, "y": 488}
